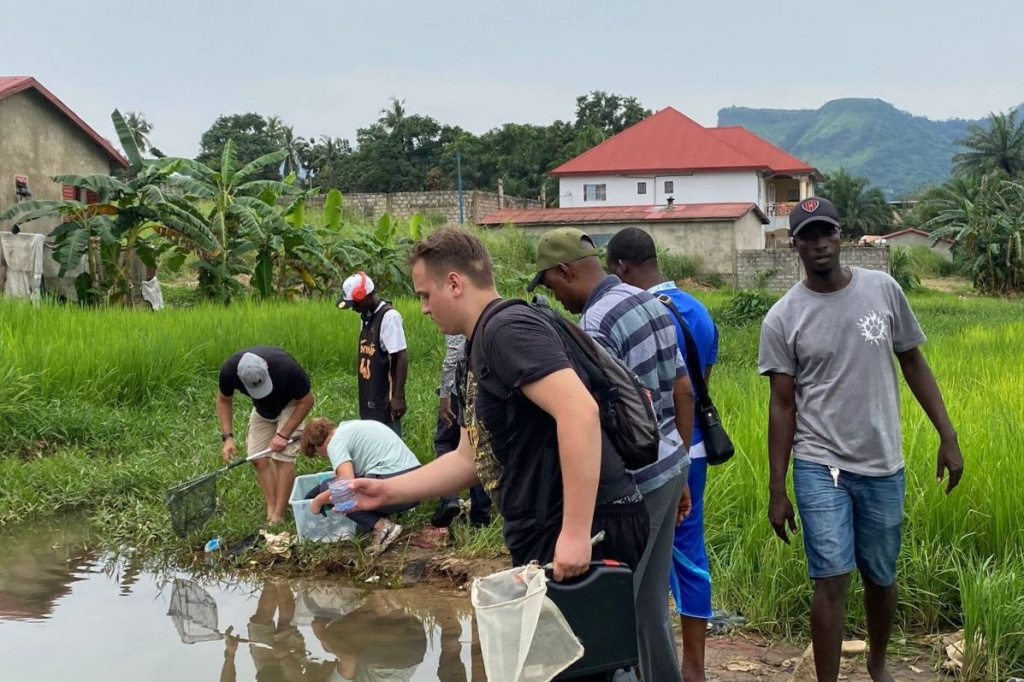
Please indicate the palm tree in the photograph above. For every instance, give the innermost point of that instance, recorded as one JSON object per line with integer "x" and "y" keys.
{"x": 999, "y": 146}
{"x": 393, "y": 115}
{"x": 294, "y": 146}
{"x": 240, "y": 213}
{"x": 327, "y": 156}
{"x": 986, "y": 223}
{"x": 862, "y": 208}
{"x": 140, "y": 129}
{"x": 275, "y": 128}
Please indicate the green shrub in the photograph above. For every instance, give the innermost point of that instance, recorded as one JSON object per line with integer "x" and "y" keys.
{"x": 903, "y": 266}
{"x": 927, "y": 263}
{"x": 676, "y": 266}
{"x": 746, "y": 307}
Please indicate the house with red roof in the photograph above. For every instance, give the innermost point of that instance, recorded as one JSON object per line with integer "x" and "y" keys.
{"x": 41, "y": 137}
{"x": 707, "y": 192}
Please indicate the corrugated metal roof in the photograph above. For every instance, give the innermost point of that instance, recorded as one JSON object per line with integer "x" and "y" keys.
{"x": 10, "y": 85}
{"x": 622, "y": 214}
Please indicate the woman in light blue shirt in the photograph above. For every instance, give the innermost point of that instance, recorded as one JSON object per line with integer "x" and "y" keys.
{"x": 360, "y": 449}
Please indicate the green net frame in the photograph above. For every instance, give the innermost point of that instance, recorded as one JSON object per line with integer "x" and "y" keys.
{"x": 191, "y": 504}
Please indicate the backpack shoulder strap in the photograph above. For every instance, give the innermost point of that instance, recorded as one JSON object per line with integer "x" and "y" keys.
{"x": 477, "y": 362}
{"x": 550, "y": 466}
{"x": 693, "y": 364}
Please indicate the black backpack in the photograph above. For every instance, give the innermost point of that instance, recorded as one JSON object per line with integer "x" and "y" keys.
{"x": 624, "y": 403}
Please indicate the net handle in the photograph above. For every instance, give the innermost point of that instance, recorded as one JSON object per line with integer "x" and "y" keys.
{"x": 255, "y": 455}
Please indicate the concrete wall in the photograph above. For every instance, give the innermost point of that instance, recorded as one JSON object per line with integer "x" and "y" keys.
{"x": 749, "y": 232}
{"x": 475, "y": 205}
{"x": 713, "y": 242}
{"x": 698, "y": 188}
{"x": 39, "y": 142}
{"x": 780, "y": 269}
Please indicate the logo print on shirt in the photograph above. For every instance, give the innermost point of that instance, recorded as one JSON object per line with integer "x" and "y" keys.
{"x": 873, "y": 328}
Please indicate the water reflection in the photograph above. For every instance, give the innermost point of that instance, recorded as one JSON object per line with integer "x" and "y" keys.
{"x": 69, "y": 612}
{"x": 37, "y": 568}
{"x": 366, "y": 636}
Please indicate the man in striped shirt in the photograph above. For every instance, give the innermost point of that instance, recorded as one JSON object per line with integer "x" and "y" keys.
{"x": 634, "y": 327}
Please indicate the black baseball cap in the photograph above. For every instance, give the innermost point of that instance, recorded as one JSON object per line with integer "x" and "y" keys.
{"x": 812, "y": 210}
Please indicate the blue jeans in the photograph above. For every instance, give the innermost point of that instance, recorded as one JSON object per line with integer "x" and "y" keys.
{"x": 850, "y": 522}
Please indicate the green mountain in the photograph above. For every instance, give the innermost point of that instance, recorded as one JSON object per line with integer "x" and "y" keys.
{"x": 897, "y": 151}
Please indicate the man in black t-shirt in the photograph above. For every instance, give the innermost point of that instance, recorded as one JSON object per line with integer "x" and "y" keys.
{"x": 540, "y": 453}
{"x": 282, "y": 396}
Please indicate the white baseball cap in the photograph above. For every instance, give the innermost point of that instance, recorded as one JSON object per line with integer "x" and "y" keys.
{"x": 351, "y": 286}
{"x": 255, "y": 376}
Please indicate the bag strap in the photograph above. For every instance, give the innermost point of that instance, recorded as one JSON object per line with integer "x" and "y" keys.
{"x": 550, "y": 463}
{"x": 476, "y": 351}
{"x": 692, "y": 355}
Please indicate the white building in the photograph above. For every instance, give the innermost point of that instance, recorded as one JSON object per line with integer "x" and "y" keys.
{"x": 708, "y": 192}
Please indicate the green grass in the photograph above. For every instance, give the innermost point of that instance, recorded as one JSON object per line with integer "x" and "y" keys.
{"x": 101, "y": 410}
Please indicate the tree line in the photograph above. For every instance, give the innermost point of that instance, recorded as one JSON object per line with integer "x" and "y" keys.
{"x": 403, "y": 151}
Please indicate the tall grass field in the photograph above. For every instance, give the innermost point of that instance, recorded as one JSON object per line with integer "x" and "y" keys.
{"x": 101, "y": 410}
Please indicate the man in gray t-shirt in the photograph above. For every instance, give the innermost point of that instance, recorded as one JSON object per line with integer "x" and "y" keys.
{"x": 827, "y": 347}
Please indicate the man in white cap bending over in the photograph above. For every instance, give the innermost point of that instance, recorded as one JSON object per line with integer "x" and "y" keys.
{"x": 282, "y": 396}
{"x": 383, "y": 363}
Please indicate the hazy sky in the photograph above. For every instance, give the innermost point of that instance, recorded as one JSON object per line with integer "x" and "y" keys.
{"x": 328, "y": 68}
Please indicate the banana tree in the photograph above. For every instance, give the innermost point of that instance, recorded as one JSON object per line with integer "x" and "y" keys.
{"x": 239, "y": 213}
{"x": 380, "y": 252}
{"x": 125, "y": 220}
{"x": 305, "y": 262}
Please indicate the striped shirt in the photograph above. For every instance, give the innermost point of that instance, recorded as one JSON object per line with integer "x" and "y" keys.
{"x": 455, "y": 351}
{"x": 635, "y": 328}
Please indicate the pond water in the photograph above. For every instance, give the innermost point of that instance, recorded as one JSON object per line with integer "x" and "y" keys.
{"x": 68, "y": 612}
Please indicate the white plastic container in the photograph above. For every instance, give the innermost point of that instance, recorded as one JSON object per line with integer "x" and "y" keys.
{"x": 330, "y": 528}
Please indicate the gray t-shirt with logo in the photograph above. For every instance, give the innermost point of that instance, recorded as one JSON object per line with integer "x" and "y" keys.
{"x": 839, "y": 348}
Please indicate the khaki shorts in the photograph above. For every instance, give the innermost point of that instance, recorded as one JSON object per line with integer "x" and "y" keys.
{"x": 261, "y": 432}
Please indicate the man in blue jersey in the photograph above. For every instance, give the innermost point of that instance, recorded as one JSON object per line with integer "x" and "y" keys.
{"x": 633, "y": 258}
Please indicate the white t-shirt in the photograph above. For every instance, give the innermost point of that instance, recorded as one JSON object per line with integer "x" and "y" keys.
{"x": 392, "y": 334}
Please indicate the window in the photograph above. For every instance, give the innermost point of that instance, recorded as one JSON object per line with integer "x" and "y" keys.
{"x": 670, "y": 186}
{"x": 792, "y": 195}
{"x": 641, "y": 188}
{"x": 594, "y": 192}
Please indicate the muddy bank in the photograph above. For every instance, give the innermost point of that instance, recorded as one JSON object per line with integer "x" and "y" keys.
{"x": 425, "y": 555}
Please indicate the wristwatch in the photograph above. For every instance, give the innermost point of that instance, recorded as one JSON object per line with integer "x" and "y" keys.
{"x": 225, "y": 436}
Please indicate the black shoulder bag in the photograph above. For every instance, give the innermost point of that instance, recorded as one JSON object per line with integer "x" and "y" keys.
{"x": 717, "y": 443}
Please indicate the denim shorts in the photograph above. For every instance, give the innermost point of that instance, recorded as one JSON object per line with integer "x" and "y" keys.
{"x": 853, "y": 522}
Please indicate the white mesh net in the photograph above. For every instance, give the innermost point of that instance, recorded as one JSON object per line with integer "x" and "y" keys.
{"x": 523, "y": 635}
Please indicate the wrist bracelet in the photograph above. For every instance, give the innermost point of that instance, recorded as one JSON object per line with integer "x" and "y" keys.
{"x": 278, "y": 434}
{"x": 225, "y": 436}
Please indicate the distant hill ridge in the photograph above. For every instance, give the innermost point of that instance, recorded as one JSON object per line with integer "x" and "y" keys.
{"x": 897, "y": 151}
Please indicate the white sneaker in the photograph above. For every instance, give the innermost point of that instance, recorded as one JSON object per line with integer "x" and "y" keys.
{"x": 383, "y": 538}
